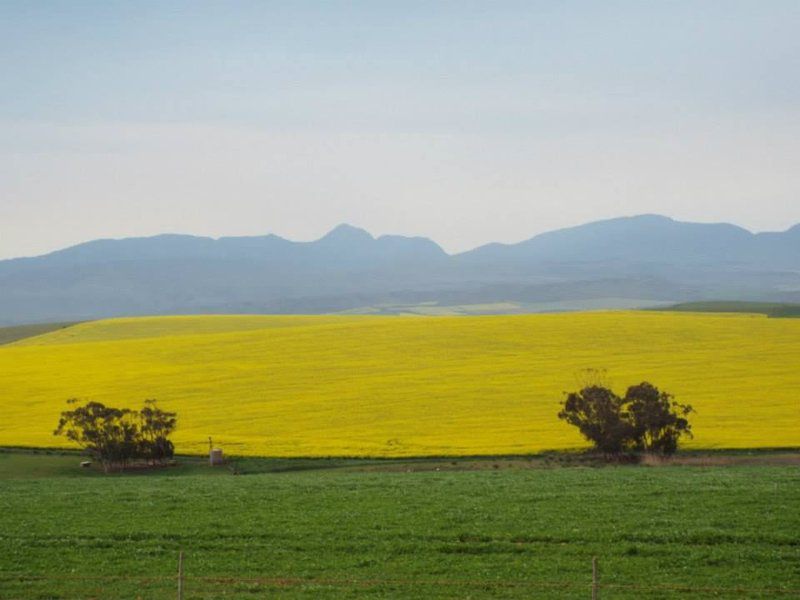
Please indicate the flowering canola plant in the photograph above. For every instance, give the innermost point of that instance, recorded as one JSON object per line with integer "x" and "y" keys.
{"x": 404, "y": 386}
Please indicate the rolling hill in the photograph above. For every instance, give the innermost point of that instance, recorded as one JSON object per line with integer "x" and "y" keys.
{"x": 404, "y": 386}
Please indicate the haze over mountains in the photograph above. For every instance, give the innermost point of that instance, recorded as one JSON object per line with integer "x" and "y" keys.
{"x": 631, "y": 261}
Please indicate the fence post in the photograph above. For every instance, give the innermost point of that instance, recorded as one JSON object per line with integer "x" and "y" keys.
{"x": 180, "y": 575}
{"x": 595, "y": 579}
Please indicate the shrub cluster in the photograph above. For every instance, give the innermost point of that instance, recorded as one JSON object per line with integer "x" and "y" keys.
{"x": 118, "y": 436}
{"x": 644, "y": 419}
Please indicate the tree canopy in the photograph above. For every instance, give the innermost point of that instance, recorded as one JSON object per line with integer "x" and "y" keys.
{"x": 644, "y": 419}
{"x": 117, "y": 436}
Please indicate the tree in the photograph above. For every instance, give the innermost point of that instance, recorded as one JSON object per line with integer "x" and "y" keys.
{"x": 155, "y": 427}
{"x": 108, "y": 434}
{"x": 658, "y": 421}
{"x": 599, "y": 415}
{"x": 116, "y": 436}
{"x": 645, "y": 419}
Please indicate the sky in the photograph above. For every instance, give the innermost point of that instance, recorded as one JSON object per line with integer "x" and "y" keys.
{"x": 466, "y": 122}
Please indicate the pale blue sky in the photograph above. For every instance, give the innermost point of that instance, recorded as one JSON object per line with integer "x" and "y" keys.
{"x": 467, "y": 122}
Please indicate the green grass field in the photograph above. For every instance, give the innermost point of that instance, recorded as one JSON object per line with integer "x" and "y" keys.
{"x": 392, "y": 529}
{"x": 776, "y": 310}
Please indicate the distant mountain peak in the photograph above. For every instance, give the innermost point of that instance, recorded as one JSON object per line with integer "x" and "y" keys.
{"x": 345, "y": 232}
{"x": 651, "y": 217}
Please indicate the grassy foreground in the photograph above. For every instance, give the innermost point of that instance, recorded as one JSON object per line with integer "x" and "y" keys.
{"x": 337, "y": 529}
{"x": 405, "y": 386}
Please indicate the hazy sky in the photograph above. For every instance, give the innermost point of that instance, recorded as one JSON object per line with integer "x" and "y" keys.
{"x": 466, "y": 122}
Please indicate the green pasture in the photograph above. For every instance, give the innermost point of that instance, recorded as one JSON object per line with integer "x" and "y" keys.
{"x": 390, "y": 529}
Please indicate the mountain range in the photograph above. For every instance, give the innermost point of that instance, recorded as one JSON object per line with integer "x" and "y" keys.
{"x": 643, "y": 260}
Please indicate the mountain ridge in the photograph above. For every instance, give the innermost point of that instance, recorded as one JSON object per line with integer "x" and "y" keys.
{"x": 348, "y": 231}
{"x": 647, "y": 258}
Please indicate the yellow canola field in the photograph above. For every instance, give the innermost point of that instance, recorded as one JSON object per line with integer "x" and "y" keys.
{"x": 404, "y": 386}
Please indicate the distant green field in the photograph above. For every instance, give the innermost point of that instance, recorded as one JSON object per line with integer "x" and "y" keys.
{"x": 20, "y": 332}
{"x": 771, "y": 309}
{"x": 504, "y": 308}
{"x": 345, "y": 532}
